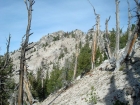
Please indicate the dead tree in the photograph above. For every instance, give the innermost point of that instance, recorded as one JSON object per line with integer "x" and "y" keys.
{"x": 24, "y": 49}
{"x": 76, "y": 57}
{"x": 129, "y": 20}
{"x": 117, "y": 27}
{"x": 96, "y": 35}
{"x": 7, "y": 58}
{"x": 2, "y": 68}
{"x": 117, "y": 33}
{"x": 26, "y": 86}
{"x": 132, "y": 39}
{"x": 97, "y": 26}
{"x": 75, "y": 67}
{"x": 107, "y": 42}
{"x": 93, "y": 49}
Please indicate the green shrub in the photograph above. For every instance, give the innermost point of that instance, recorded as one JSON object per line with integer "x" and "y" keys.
{"x": 122, "y": 67}
{"x": 44, "y": 45}
{"x": 61, "y": 56}
{"x": 65, "y": 50}
{"x": 56, "y": 38}
{"x": 92, "y": 96}
{"x": 112, "y": 39}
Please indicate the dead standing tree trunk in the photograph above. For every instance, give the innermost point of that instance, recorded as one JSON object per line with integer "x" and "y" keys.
{"x": 96, "y": 35}
{"x": 76, "y": 57}
{"x": 129, "y": 20}
{"x": 26, "y": 86}
{"x": 24, "y": 49}
{"x": 117, "y": 28}
{"x": 93, "y": 49}
{"x": 117, "y": 34}
{"x": 107, "y": 42}
{"x": 75, "y": 67}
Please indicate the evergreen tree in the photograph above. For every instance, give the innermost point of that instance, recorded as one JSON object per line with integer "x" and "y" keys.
{"x": 37, "y": 90}
{"x": 6, "y": 73}
{"x": 112, "y": 40}
{"x": 6, "y": 82}
{"x": 123, "y": 40}
{"x": 98, "y": 57}
{"x": 80, "y": 45}
{"x": 55, "y": 81}
{"x": 84, "y": 59}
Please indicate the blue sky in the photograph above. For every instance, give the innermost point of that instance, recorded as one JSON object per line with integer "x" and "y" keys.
{"x": 54, "y": 15}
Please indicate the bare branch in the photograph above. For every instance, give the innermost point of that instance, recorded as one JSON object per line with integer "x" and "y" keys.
{"x": 107, "y": 20}
{"x": 30, "y": 34}
{"x": 28, "y": 58}
{"x": 32, "y": 2}
{"x": 93, "y": 8}
{"x": 94, "y": 26}
{"x": 30, "y": 47}
{"x": 138, "y": 5}
{"x": 7, "y": 54}
{"x": 23, "y": 36}
{"x": 26, "y": 4}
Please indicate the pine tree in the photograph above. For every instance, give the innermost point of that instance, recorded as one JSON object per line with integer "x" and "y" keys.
{"x": 55, "y": 81}
{"x": 84, "y": 59}
{"x": 6, "y": 82}
{"x": 6, "y": 73}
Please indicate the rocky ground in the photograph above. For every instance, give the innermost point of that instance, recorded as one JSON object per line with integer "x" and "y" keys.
{"x": 103, "y": 87}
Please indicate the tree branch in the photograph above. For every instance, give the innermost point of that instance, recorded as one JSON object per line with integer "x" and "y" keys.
{"x": 93, "y": 8}
{"x": 7, "y": 53}
{"x": 28, "y": 48}
{"x": 28, "y": 58}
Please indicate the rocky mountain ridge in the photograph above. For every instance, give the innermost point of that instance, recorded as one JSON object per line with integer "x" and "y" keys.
{"x": 51, "y": 49}
{"x": 103, "y": 86}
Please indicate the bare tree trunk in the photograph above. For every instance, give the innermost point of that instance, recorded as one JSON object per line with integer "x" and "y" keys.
{"x": 107, "y": 45}
{"x": 24, "y": 48}
{"x": 26, "y": 85}
{"x": 76, "y": 55}
{"x": 94, "y": 38}
{"x": 117, "y": 34}
{"x": 94, "y": 51}
{"x": 99, "y": 41}
{"x": 132, "y": 42}
{"x": 95, "y": 41}
{"x": 75, "y": 67}
{"x": 92, "y": 57}
{"x": 129, "y": 21}
{"x": 117, "y": 28}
